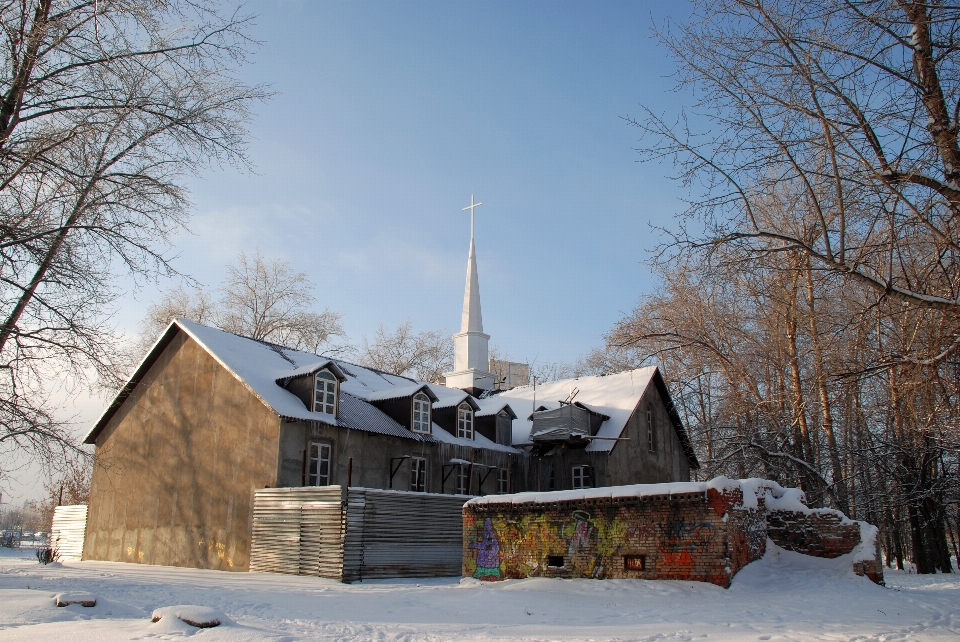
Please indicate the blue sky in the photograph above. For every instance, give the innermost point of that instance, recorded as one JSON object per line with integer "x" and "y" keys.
{"x": 388, "y": 116}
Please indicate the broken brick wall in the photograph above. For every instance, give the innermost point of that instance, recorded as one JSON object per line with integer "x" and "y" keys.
{"x": 823, "y": 533}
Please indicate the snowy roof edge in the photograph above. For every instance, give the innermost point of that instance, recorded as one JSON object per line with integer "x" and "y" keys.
{"x": 158, "y": 346}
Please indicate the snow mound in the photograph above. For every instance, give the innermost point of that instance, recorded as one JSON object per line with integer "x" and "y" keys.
{"x": 83, "y": 599}
{"x": 783, "y": 571}
{"x": 201, "y": 617}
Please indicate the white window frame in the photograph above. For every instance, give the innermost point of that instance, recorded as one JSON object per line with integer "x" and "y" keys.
{"x": 325, "y": 384}
{"x": 319, "y": 453}
{"x": 582, "y": 477}
{"x": 465, "y": 421}
{"x": 418, "y": 474}
{"x": 503, "y": 481}
{"x": 463, "y": 479}
{"x": 421, "y": 407}
{"x": 651, "y": 434}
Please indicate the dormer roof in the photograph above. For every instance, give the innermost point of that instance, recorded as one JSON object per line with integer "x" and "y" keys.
{"x": 312, "y": 369}
{"x": 400, "y": 392}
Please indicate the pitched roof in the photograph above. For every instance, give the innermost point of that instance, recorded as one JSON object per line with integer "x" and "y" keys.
{"x": 360, "y": 415}
{"x": 400, "y": 392}
{"x": 264, "y": 369}
{"x": 615, "y": 396}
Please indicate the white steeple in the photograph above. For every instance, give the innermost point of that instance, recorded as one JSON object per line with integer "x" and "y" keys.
{"x": 470, "y": 345}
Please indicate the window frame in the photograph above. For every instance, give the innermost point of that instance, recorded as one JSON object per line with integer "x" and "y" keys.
{"x": 503, "y": 481}
{"x": 462, "y": 477}
{"x": 418, "y": 474}
{"x": 328, "y": 381}
{"x": 424, "y": 401}
{"x": 465, "y": 428}
{"x": 651, "y": 430}
{"x": 313, "y": 473}
{"x": 580, "y": 474}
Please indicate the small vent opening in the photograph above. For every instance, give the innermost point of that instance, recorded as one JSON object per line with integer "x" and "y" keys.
{"x": 555, "y": 561}
{"x": 634, "y": 562}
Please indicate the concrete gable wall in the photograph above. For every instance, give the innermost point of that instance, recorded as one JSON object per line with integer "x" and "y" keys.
{"x": 178, "y": 464}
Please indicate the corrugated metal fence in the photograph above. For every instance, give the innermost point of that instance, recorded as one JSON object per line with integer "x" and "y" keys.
{"x": 361, "y": 534}
{"x": 66, "y": 534}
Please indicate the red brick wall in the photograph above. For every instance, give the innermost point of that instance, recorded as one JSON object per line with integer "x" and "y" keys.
{"x": 682, "y": 537}
{"x": 708, "y": 537}
{"x": 822, "y": 533}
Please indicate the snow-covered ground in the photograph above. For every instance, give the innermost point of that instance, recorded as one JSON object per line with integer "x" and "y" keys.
{"x": 784, "y": 596}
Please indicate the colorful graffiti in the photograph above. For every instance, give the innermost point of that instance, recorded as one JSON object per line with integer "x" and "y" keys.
{"x": 488, "y": 554}
{"x": 677, "y": 540}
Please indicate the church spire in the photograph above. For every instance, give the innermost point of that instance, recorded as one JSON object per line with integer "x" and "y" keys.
{"x": 470, "y": 345}
{"x": 471, "y": 320}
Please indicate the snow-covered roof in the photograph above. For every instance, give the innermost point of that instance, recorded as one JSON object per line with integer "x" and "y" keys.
{"x": 478, "y": 441}
{"x": 400, "y": 392}
{"x": 264, "y": 368}
{"x": 492, "y": 405}
{"x": 311, "y": 369}
{"x": 615, "y": 395}
{"x": 449, "y": 397}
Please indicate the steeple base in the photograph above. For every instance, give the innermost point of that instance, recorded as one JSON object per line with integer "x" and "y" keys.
{"x": 474, "y": 382}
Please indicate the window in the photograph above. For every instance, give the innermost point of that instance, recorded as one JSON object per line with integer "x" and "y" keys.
{"x": 555, "y": 561}
{"x": 463, "y": 479}
{"x": 325, "y": 395}
{"x": 418, "y": 475}
{"x": 319, "y": 465}
{"x": 464, "y": 421}
{"x": 503, "y": 481}
{"x": 582, "y": 477}
{"x": 421, "y": 413}
{"x": 651, "y": 434}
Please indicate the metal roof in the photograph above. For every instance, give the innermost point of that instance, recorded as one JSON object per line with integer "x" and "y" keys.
{"x": 357, "y": 414}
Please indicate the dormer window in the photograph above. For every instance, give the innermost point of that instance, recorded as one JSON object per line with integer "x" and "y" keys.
{"x": 421, "y": 413}
{"x": 325, "y": 395}
{"x": 465, "y": 421}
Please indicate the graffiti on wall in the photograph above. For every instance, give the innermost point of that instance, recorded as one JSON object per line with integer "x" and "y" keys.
{"x": 593, "y": 543}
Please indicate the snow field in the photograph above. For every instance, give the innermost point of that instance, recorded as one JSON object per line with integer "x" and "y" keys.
{"x": 785, "y": 596}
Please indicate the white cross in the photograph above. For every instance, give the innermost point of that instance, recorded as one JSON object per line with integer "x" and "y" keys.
{"x": 471, "y": 207}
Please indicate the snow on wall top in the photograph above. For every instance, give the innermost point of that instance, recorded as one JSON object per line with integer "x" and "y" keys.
{"x": 775, "y": 497}
{"x": 613, "y": 395}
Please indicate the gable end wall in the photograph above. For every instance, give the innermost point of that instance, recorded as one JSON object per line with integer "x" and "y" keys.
{"x": 178, "y": 464}
{"x": 631, "y": 462}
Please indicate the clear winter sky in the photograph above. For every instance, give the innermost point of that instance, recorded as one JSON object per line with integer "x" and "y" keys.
{"x": 389, "y": 115}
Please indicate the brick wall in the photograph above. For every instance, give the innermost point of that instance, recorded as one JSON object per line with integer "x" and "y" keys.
{"x": 695, "y": 536}
{"x": 707, "y": 536}
{"x": 823, "y": 533}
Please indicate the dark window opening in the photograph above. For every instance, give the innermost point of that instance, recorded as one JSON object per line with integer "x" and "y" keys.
{"x": 634, "y": 562}
{"x": 555, "y": 561}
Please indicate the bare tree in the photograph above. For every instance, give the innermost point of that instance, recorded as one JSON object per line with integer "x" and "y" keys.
{"x": 423, "y": 355}
{"x": 104, "y": 106}
{"x": 811, "y": 302}
{"x": 260, "y": 299}
{"x": 268, "y": 301}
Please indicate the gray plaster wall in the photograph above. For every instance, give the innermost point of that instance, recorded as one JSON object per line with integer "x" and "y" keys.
{"x": 371, "y": 453}
{"x": 631, "y": 462}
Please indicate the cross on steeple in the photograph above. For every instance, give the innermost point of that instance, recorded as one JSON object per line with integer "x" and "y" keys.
{"x": 471, "y": 208}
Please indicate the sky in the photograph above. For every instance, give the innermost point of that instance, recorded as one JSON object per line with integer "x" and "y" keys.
{"x": 388, "y": 116}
